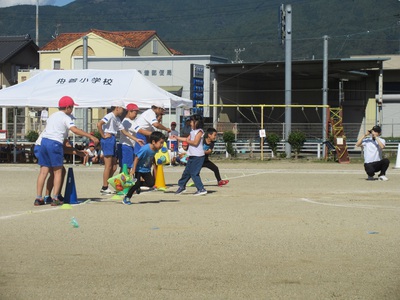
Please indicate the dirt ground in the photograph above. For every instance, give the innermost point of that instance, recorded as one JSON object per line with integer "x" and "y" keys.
{"x": 278, "y": 230}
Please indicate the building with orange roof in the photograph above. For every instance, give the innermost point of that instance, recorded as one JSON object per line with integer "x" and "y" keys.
{"x": 60, "y": 52}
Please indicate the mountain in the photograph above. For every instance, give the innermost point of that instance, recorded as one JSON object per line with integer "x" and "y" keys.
{"x": 354, "y": 27}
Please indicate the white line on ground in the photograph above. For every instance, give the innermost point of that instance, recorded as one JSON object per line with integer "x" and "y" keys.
{"x": 363, "y": 206}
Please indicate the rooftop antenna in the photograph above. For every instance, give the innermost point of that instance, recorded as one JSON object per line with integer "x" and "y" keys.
{"x": 237, "y": 59}
{"x": 57, "y": 32}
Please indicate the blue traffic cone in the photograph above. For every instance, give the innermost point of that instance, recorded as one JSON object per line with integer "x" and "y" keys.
{"x": 70, "y": 189}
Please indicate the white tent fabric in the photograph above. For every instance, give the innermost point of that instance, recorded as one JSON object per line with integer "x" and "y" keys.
{"x": 89, "y": 88}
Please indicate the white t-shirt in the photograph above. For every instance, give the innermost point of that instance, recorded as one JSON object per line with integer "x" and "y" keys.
{"x": 372, "y": 151}
{"x": 129, "y": 125}
{"x": 91, "y": 153}
{"x": 196, "y": 151}
{"x": 146, "y": 120}
{"x": 58, "y": 126}
{"x": 112, "y": 124}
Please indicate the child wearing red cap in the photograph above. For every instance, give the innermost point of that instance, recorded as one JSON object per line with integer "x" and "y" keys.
{"x": 108, "y": 128}
{"x": 91, "y": 155}
{"x": 52, "y": 150}
{"x": 126, "y": 146}
{"x": 182, "y": 156}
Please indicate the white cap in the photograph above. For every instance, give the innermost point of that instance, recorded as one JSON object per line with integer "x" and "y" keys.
{"x": 159, "y": 104}
{"x": 118, "y": 103}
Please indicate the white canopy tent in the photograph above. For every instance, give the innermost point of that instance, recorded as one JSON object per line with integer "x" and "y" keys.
{"x": 89, "y": 88}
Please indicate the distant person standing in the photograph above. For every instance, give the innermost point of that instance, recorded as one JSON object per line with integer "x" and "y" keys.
{"x": 373, "y": 144}
{"x": 185, "y": 132}
{"x": 51, "y": 148}
{"x": 44, "y": 115}
{"x": 173, "y": 142}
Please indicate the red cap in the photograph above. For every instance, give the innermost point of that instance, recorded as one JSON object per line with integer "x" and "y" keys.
{"x": 91, "y": 144}
{"x": 185, "y": 144}
{"x": 66, "y": 101}
{"x": 132, "y": 106}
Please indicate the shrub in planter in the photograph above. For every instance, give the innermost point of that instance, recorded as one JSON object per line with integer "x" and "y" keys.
{"x": 97, "y": 134}
{"x": 296, "y": 140}
{"x": 32, "y": 136}
{"x": 229, "y": 138}
{"x": 273, "y": 140}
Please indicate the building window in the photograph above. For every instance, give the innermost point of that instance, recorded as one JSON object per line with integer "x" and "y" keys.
{"x": 155, "y": 47}
{"x": 56, "y": 64}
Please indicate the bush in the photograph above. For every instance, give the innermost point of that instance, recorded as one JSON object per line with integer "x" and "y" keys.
{"x": 296, "y": 140}
{"x": 229, "y": 138}
{"x": 97, "y": 134}
{"x": 32, "y": 136}
{"x": 273, "y": 140}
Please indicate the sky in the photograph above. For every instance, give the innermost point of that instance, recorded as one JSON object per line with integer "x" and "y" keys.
{"x": 6, "y": 3}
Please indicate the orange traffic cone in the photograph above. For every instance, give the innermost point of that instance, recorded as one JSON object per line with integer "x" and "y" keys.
{"x": 160, "y": 181}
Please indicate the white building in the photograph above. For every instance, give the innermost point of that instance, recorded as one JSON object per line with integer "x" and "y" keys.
{"x": 173, "y": 73}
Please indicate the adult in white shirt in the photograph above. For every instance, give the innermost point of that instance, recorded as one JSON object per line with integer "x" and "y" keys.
{"x": 372, "y": 145}
{"x": 148, "y": 121}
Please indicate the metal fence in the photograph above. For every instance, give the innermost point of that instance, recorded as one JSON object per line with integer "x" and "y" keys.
{"x": 313, "y": 131}
{"x": 243, "y": 131}
{"x": 247, "y": 135}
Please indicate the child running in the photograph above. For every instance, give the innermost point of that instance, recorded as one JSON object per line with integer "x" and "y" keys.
{"x": 209, "y": 140}
{"x": 142, "y": 164}
{"x": 196, "y": 157}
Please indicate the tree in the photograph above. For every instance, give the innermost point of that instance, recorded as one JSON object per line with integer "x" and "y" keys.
{"x": 273, "y": 140}
{"x": 296, "y": 140}
{"x": 229, "y": 138}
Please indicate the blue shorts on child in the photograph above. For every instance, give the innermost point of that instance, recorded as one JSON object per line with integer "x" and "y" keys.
{"x": 51, "y": 153}
{"x": 108, "y": 146}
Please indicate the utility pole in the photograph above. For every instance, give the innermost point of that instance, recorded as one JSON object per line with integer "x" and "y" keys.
{"x": 37, "y": 22}
{"x": 288, "y": 78}
{"x": 325, "y": 90}
{"x": 85, "y": 66}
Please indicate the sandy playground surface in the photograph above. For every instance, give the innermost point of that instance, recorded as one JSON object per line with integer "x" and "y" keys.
{"x": 279, "y": 230}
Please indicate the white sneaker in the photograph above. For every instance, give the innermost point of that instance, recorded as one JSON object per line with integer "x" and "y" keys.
{"x": 200, "y": 192}
{"x": 106, "y": 192}
{"x": 383, "y": 177}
